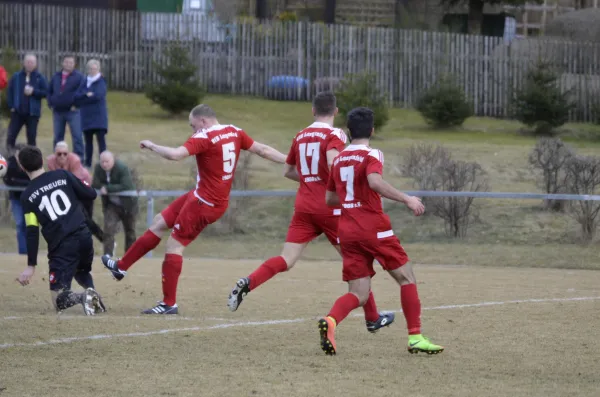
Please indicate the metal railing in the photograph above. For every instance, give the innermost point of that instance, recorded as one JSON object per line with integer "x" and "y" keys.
{"x": 150, "y": 195}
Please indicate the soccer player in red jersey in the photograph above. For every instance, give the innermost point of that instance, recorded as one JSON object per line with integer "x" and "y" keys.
{"x": 216, "y": 148}
{"x": 366, "y": 234}
{"x": 309, "y": 161}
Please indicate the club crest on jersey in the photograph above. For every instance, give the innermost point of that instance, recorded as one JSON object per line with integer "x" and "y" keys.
{"x": 52, "y": 278}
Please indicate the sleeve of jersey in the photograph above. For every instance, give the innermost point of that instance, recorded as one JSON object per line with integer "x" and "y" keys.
{"x": 375, "y": 162}
{"x": 291, "y": 157}
{"x": 33, "y": 237}
{"x": 246, "y": 141}
{"x": 337, "y": 141}
{"x": 196, "y": 144}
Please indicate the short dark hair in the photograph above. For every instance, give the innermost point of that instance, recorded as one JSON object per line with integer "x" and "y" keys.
{"x": 31, "y": 159}
{"x": 360, "y": 123}
{"x": 324, "y": 103}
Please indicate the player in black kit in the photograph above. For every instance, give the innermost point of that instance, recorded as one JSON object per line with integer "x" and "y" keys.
{"x": 53, "y": 200}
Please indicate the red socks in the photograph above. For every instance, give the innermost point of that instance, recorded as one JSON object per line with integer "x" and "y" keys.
{"x": 411, "y": 307}
{"x": 146, "y": 243}
{"x": 343, "y": 306}
{"x": 370, "y": 308}
{"x": 171, "y": 269}
{"x": 267, "y": 270}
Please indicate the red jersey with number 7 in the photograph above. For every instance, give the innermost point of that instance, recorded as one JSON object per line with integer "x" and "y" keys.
{"x": 217, "y": 150}
{"x": 309, "y": 154}
{"x": 362, "y": 213}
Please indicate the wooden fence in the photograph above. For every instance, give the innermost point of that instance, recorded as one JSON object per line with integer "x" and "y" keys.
{"x": 242, "y": 58}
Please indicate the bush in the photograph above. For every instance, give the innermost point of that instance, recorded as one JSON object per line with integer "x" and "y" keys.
{"x": 179, "y": 89}
{"x": 549, "y": 158}
{"x": 10, "y": 62}
{"x": 432, "y": 168}
{"x": 541, "y": 104}
{"x": 583, "y": 177}
{"x": 356, "y": 90}
{"x": 445, "y": 104}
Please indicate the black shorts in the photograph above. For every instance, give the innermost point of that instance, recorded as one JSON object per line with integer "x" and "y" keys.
{"x": 74, "y": 254}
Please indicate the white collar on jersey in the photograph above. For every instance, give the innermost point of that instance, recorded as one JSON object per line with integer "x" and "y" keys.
{"x": 318, "y": 124}
{"x": 357, "y": 147}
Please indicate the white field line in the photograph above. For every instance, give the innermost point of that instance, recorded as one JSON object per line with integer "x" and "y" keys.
{"x": 272, "y": 322}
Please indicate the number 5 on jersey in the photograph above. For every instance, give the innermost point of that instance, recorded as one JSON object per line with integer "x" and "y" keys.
{"x": 229, "y": 157}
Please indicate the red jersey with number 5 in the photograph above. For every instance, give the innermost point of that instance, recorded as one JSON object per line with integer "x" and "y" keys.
{"x": 309, "y": 154}
{"x": 217, "y": 150}
{"x": 362, "y": 213}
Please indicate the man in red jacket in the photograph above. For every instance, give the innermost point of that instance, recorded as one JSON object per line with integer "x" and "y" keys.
{"x": 3, "y": 78}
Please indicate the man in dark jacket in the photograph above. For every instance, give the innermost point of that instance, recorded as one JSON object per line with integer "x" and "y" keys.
{"x": 61, "y": 99}
{"x": 113, "y": 176}
{"x": 26, "y": 90}
{"x": 16, "y": 177}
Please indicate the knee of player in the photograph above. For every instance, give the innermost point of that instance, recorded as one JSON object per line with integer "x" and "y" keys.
{"x": 174, "y": 247}
{"x": 158, "y": 224}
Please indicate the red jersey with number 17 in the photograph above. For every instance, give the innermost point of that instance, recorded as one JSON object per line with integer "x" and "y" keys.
{"x": 362, "y": 213}
{"x": 217, "y": 150}
{"x": 309, "y": 154}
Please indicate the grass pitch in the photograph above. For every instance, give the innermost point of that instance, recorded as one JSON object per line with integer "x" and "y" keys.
{"x": 507, "y": 332}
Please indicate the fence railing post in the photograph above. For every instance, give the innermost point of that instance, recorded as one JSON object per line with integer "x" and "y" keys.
{"x": 149, "y": 215}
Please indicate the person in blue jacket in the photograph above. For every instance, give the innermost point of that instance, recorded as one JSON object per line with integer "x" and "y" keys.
{"x": 61, "y": 99}
{"x": 26, "y": 90}
{"x": 91, "y": 100}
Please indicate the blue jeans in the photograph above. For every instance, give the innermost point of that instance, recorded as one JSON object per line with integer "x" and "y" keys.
{"x": 73, "y": 118}
{"x": 89, "y": 144}
{"x": 17, "y": 211}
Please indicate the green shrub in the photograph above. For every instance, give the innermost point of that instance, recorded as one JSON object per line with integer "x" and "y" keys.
{"x": 444, "y": 104}
{"x": 541, "y": 104}
{"x": 10, "y": 62}
{"x": 179, "y": 89}
{"x": 357, "y": 90}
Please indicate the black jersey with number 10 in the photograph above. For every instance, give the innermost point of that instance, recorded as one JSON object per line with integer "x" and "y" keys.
{"x": 53, "y": 201}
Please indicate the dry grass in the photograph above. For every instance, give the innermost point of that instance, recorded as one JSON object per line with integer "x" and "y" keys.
{"x": 510, "y": 232}
{"x": 533, "y": 348}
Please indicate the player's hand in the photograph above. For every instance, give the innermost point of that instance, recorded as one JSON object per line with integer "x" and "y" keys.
{"x": 26, "y": 276}
{"x": 103, "y": 190}
{"x": 146, "y": 145}
{"x": 415, "y": 205}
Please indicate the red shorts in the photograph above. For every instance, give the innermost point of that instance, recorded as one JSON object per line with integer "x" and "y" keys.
{"x": 358, "y": 256}
{"x": 188, "y": 216}
{"x": 305, "y": 227}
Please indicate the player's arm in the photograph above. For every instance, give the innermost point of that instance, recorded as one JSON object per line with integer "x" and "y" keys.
{"x": 82, "y": 189}
{"x": 291, "y": 172}
{"x": 33, "y": 241}
{"x": 331, "y": 155}
{"x": 379, "y": 185}
{"x": 169, "y": 153}
{"x": 331, "y": 197}
{"x": 267, "y": 152}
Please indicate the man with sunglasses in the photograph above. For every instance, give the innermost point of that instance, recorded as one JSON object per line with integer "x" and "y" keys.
{"x": 63, "y": 159}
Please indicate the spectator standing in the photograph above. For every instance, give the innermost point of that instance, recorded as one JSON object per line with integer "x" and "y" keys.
{"x": 61, "y": 99}
{"x": 26, "y": 90}
{"x": 3, "y": 78}
{"x": 91, "y": 99}
{"x": 16, "y": 177}
{"x": 65, "y": 160}
{"x": 113, "y": 176}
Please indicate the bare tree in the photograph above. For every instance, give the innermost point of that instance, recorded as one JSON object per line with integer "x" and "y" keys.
{"x": 422, "y": 163}
{"x": 583, "y": 177}
{"x": 458, "y": 213}
{"x": 549, "y": 158}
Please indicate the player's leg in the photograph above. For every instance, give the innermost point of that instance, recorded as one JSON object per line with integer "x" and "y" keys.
{"x": 192, "y": 219}
{"x": 300, "y": 232}
{"x": 393, "y": 258}
{"x": 63, "y": 264}
{"x": 148, "y": 241}
{"x": 83, "y": 274}
{"x": 357, "y": 271}
{"x": 373, "y": 319}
